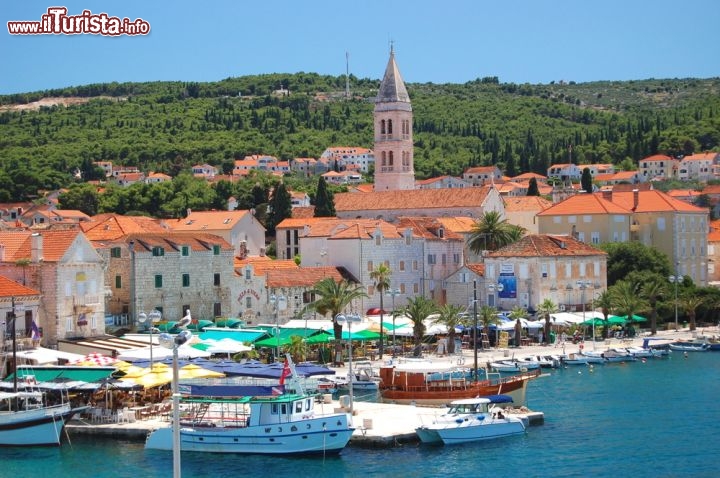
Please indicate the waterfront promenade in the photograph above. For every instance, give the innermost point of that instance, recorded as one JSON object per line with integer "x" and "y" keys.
{"x": 381, "y": 425}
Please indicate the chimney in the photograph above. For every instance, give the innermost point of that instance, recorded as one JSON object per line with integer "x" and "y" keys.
{"x": 607, "y": 194}
{"x": 2, "y": 252}
{"x": 636, "y": 198}
{"x": 36, "y": 247}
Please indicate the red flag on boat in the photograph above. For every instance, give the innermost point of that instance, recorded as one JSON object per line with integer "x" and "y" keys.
{"x": 285, "y": 372}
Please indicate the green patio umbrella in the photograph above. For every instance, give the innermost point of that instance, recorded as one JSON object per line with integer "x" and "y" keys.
{"x": 635, "y": 318}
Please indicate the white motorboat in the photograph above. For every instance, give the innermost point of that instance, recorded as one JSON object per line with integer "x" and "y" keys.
{"x": 234, "y": 419}
{"x": 593, "y": 356}
{"x": 514, "y": 366}
{"x": 574, "y": 359}
{"x": 618, "y": 355}
{"x": 364, "y": 378}
{"x": 470, "y": 420}
{"x": 689, "y": 347}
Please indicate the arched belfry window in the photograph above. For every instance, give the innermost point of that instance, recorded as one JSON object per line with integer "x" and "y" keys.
{"x": 384, "y": 159}
{"x": 390, "y": 161}
{"x": 382, "y": 126}
{"x": 389, "y": 126}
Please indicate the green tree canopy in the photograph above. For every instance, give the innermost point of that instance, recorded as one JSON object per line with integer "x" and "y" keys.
{"x": 626, "y": 257}
{"x": 324, "y": 202}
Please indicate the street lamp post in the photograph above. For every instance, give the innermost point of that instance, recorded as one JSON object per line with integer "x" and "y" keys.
{"x": 392, "y": 293}
{"x": 280, "y": 303}
{"x": 170, "y": 342}
{"x": 675, "y": 279}
{"x": 584, "y": 284}
{"x": 152, "y": 318}
{"x": 475, "y": 330}
{"x": 492, "y": 287}
{"x": 349, "y": 319}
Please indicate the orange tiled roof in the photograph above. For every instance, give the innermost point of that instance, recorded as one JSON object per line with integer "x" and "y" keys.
{"x": 546, "y": 245}
{"x": 263, "y": 264}
{"x": 110, "y": 227}
{"x": 10, "y": 288}
{"x": 528, "y": 176}
{"x": 584, "y": 204}
{"x": 198, "y": 241}
{"x": 477, "y": 268}
{"x": 427, "y": 227}
{"x": 657, "y": 157}
{"x": 303, "y": 212}
{"x": 701, "y": 157}
{"x": 652, "y": 201}
{"x": 458, "y": 224}
{"x": 306, "y": 276}
{"x": 481, "y": 169}
{"x": 412, "y": 199}
{"x": 526, "y": 203}
{"x": 18, "y": 244}
{"x": 714, "y": 234}
{"x": 207, "y": 220}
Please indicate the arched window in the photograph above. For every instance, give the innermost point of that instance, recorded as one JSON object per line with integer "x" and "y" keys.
{"x": 384, "y": 160}
{"x": 390, "y": 162}
{"x": 382, "y": 126}
{"x": 389, "y": 126}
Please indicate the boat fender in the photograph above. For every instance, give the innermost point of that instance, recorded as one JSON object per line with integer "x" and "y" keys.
{"x": 581, "y": 346}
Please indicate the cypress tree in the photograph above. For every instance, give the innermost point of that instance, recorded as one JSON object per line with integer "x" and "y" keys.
{"x": 533, "y": 188}
{"x": 280, "y": 207}
{"x": 586, "y": 181}
{"x": 324, "y": 202}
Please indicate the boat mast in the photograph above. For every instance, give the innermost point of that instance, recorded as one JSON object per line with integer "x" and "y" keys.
{"x": 14, "y": 345}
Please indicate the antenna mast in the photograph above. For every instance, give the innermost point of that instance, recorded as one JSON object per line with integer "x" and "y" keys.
{"x": 347, "y": 75}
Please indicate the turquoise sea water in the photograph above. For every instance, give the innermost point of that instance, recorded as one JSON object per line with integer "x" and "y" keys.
{"x": 655, "y": 419}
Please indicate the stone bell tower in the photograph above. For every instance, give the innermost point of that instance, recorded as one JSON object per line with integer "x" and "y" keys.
{"x": 394, "y": 166}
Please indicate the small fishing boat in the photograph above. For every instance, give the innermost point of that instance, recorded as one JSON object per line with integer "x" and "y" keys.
{"x": 471, "y": 420}
{"x": 574, "y": 359}
{"x": 688, "y": 347}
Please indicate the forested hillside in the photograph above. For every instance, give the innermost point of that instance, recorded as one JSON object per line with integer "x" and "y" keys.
{"x": 169, "y": 126}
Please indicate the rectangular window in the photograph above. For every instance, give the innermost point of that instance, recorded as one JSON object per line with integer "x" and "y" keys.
{"x": 158, "y": 251}
{"x": 370, "y": 290}
{"x": 115, "y": 252}
{"x": 217, "y": 309}
{"x": 456, "y": 258}
{"x": 416, "y": 288}
{"x": 378, "y": 240}
{"x": 523, "y": 271}
{"x": 596, "y": 269}
{"x": 248, "y": 302}
{"x": 370, "y": 266}
{"x": 431, "y": 259}
{"x": 661, "y": 223}
{"x": 186, "y": 280}
{"x": 595, "y": 237}
{"x": 216, "y": 279}
{"x": 443, "y": 259}
{"x": 568, "y": 270}
{"x": 185, "y": 251}
{"x": 581, "y": 236}
{"x": 158, "y": 281}
{"x": 401, "y": 266}
{"x": 582, "y": 269}
{"x": 587, "y": 218}
{"x": 557, "y": 219}
{"x": 415, "y": 265}
{"x": 248, "y": 272}
{"x": 543, "y": 270}
{"x": 216, "y": 250}
{"x": 118, "y": 282}
{"x": 572, "y": 219}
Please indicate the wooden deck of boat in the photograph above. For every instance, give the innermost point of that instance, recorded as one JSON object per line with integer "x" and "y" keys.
{"x": 377, "y": 425}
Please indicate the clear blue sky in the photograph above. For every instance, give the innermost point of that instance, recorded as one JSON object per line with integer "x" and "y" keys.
{"x": 520, "y": 41}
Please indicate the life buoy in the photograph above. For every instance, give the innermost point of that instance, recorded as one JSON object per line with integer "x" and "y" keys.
{"x": 581, "y": 346}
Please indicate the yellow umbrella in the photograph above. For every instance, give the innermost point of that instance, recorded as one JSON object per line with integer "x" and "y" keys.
{"x": 195, "y": 371}
{"x": 153, "y": 379}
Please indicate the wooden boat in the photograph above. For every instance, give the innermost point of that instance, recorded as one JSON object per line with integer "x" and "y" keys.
{"x": 436, "y": 384}
{"x": 469, "y": 420}
{"x": 234, "y": 419}
{"x": 25, "y": 420}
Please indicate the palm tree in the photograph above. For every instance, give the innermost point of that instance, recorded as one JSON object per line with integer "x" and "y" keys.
{"x": 652, "y": 290}
{"x": 297, "y": 348}
{"x": 689, "y": 303}
{"x": 488, "y": 316}
{"x": 605, "y": 302}
{"x": 627, "y": 299}
{"x": 417, "y": 310}
{"x": 450, "y": 317}
{"x": 490, "y": 232}
{"x": 516, "y": 314}
{"x": 544, "y": 309}
{"x": 381, "y": 276}
{"x": 333, "y": 298}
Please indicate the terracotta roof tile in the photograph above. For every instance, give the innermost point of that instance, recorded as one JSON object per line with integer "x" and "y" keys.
{"x": 412, "y": 199}
{"x": 657, "y": 157}
{"x": 110, "y": 227}
{"x": 306, "y": 276}
{"x": 10, "y": 288}
{"x": 303, "y": 212}
{"x": 584, "y": 204}
{"x": 526, "y": 203}
{"x": 55, "y": 244}
{"x": 459, "y": 224}
{"x": 528, "y": 176}
{"x": 198, "y": 241}
{"x": 477, "y": 268}
{"x": 545, "y": 245}
{"x": 428, "y": 228}
{"x": 652, "y": 201}
{"x": 207, "y": 220}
